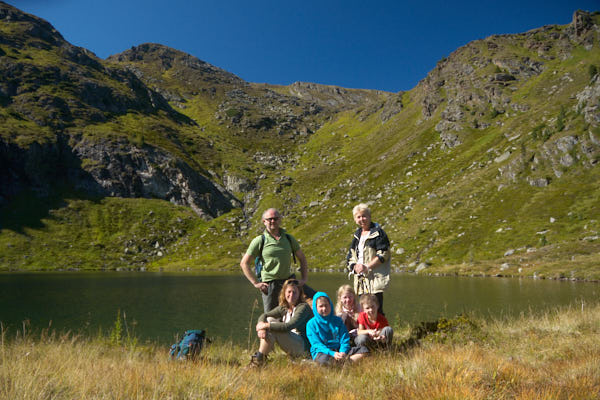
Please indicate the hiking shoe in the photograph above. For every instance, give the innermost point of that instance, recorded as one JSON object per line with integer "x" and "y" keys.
{"x": 257, "y": 360}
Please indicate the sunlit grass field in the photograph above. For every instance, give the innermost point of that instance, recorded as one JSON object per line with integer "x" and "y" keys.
{"x": 551, "y": 356}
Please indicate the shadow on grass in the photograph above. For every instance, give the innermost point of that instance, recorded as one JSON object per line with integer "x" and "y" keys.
{"x": 29, "y": 209}
{"x": 39, "y": 178}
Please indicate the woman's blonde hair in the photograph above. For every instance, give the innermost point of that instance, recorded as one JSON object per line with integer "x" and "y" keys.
{"x": 340, "y": 292}
{"x": 291, "y": 282}
{"x": 362, "y": 207}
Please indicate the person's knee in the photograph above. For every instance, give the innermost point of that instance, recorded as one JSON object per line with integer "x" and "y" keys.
{"x": 388, "y": 332}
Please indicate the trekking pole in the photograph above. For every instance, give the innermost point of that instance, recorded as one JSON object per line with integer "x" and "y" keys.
{"x": 254, "y": 305}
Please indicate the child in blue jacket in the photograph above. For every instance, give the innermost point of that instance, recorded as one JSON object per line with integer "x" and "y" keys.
{"x": 328, "y": 336}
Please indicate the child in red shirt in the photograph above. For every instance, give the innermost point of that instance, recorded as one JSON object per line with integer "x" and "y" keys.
{"x": 373, "y": 328}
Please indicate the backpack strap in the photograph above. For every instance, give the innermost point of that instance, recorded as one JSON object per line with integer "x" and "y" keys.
{"x": 290, "y": 240}
{"x": 259, "y": 261}
{"x": 260, "y": 248}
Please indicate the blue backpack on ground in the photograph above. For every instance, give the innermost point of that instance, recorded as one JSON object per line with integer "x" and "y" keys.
{"x": 190, "y": 345}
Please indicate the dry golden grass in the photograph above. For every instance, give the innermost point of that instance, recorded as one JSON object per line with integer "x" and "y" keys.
{"x": 553, "y": 356}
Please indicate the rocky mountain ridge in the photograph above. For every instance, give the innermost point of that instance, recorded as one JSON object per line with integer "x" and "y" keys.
{"x": 481, "y": 79}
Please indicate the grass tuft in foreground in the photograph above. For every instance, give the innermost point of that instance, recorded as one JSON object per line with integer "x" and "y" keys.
{"x": 552, "y": 356}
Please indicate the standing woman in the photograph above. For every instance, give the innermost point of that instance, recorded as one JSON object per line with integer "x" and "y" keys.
{"x": 284, "y": 325}
{"x": 369, "y": 256}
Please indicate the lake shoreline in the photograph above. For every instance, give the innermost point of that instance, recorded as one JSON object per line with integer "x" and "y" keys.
{"x": 395, "y": 271}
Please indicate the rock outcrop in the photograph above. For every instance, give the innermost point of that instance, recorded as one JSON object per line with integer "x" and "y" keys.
{"x": 110, "y": 168}
{"x": 125, "y": 170}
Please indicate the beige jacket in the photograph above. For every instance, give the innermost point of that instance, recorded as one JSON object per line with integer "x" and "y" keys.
{"x": 377, "y": 245}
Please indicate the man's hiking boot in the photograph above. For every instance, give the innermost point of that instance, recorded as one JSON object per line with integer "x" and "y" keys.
{"x": 257, "y": 360}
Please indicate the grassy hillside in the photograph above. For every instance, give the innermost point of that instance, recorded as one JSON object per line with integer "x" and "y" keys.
{"x": 488, "y": 167}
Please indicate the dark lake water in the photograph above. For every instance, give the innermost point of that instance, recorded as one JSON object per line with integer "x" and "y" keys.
{"x": 160, "y": 305}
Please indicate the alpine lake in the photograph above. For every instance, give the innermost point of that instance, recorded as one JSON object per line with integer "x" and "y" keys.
{"x": 160, "y": 306}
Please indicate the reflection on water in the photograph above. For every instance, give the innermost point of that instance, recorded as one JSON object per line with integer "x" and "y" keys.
{"x": 160, "y": 305}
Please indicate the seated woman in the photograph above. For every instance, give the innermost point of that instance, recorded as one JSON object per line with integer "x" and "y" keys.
{"x": 284, "y": 325}
{"x": 348, "y": 308}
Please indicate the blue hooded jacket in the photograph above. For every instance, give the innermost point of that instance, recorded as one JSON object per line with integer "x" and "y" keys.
{"x": 327, "y": 334}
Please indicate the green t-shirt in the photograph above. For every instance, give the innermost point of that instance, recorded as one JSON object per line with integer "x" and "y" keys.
{"x": 277, "y": 255}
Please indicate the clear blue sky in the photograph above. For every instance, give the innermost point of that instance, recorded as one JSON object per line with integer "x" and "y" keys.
{"x": 386, "y": 45}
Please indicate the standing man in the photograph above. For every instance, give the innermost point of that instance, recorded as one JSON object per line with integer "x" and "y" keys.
{"x": 277, "y": 249}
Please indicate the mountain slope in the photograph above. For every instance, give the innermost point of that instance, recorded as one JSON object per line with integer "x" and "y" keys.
{"x": 491, "y": 167}
{"x": 488, "y": 166}
{"x": 63, "y": 106}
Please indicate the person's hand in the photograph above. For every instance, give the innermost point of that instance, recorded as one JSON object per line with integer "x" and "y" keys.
{"x": 377, "y": 335}
{"x": 262, "y": 286}
{"x": 262, "y": 326}
{"x": 360, "y": 268}
{"x": 339, "y": 356}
